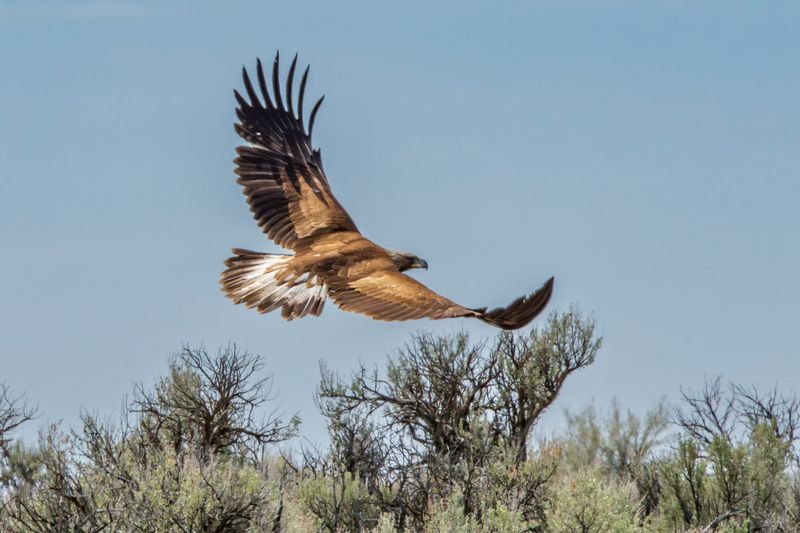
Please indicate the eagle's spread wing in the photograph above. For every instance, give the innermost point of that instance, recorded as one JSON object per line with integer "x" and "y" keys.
{"x": 281, "y": 173}
{"x": 391, "y": 295}
{"x": 291, "y": 200}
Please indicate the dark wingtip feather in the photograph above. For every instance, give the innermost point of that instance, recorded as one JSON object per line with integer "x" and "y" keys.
{"x": 240, "y": 100}
{"x": 262, "y": 84}
{"x": 301, "y": 95}
{"x": 267, "y": 102}
{"x": 276, "y": 86}
{"x": 289, "y": 81}
{"x": 249, "y": 88}
{"x": 314, "y": 115}
{"x": 522, "y": 310}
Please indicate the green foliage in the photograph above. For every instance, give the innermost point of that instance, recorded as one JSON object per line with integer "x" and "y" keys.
{"x": 731, "y": 468}
{"x": 186, "y": 493}
{"x": 438, "y": 442}
{"x": 620, "y": 444}
{"x": 746, "y": 483}
{"x": 339, "y": 503}
{"x": 448, "y": 516}
{"x": 767, "y": 480}
{"x": 167, "y": 491}
{"x": 20, "y": 466}
{"x": 506, "y": 484}
{"x": 456, "y": 416}
{"x": 588, "y": 503}
{"x": 173, "y": 465}
{"x": 684, "y": 476}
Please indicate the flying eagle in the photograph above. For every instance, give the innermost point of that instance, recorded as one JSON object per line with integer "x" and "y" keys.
{"x": 292, "y": 201}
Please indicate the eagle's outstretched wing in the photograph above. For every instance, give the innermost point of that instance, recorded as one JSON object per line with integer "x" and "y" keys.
{"x": 292, "y": 201}
{"x": 280, "y": 171}
{"x": 391, "y": 295}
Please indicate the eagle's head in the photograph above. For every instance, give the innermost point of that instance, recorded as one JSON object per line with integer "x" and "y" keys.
{"x": 406, "y": 261}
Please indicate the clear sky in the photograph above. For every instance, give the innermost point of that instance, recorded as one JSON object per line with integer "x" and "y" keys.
{"x": 645, "y": 153}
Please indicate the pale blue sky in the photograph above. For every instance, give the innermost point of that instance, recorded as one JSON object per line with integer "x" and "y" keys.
{"x": 645, "y": 153}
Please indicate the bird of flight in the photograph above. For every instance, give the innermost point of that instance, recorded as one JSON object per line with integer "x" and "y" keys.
{"x": 292, "y": 201}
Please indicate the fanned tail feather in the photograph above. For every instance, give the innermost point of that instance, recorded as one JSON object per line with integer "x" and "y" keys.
{"x": 259, "y": 282}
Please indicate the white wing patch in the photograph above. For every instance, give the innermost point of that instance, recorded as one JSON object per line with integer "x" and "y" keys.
{"x": 252, "y": 279}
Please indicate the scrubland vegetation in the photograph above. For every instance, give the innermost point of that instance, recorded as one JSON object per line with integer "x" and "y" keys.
{"x": 441, "y": 439}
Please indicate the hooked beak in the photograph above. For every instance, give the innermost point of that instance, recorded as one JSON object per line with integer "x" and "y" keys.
{"x": 420, "y": 263}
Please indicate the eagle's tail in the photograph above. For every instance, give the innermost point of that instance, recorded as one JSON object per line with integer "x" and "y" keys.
{"x": 260, "y": 281}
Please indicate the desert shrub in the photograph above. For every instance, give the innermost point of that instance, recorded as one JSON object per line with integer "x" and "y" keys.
{"x": 448, "y": 516}
{"x": 739, "y": 485}
{"x": 185, "y": 493}
{"x": 182, "y": 460}
{"x": 339, "y": 503}
{"x": 213, "y": 403}
{"x": 455, "y": 416}
{"x": 622, "y": 446}
{"x": 731, "y": 468}
{"x": 439, "y": 441}
{"x": 587, "y": 502}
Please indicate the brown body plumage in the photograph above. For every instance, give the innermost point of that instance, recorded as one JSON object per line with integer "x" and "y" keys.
{"x": 292, "y": 202}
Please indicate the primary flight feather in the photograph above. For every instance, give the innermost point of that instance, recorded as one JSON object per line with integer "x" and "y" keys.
{"x": 290, "y": 198}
